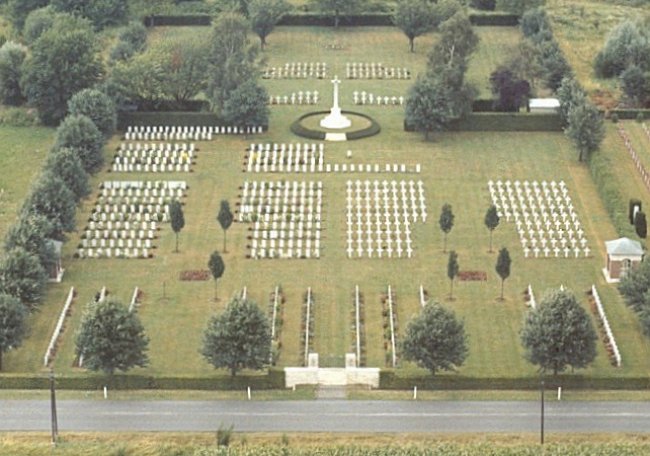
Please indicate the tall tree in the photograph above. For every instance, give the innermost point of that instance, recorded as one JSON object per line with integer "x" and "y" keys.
{"x": 641, "y": 225}
{"x": 559, "y": 333}
{"x": 636, "y": 84}
{"x": 23, "y": 277}
{"x": 19, "y": 9}
{"x": 503, "y": 266}
{"x": 570, "y": 94}
{"x": 63, "y": 61}
{"x": 13, "y": 324}
{"x": 81, "y": 135}
{"x": 247, "y": 105}
{"x": 338, "y": 8}
{"x": 98, "y": 107}
{"x": 217, "y": 268}
{"x": 457, "y": 42}
{"x": 435, "y": 339}
{"x": 31, "y": 232}
{"x": 264, "y": 15}
{"x": 239, "y": 338}
{"x": 52, "y": 198}
{"x": 626, "y": 45}
{"x": 66, "y": 164}
{"x": 232, "y": 59}
{"x": 225, "y": 218}
{"x": 111, "y": 338}
{"x": 452, "y": 272}
{"x": 102, "y": 13}
{"x": 414, "y": 18}
{"x": 585, "y": 129}
{"x": 446, "y": 222}
{"x": 635, "y": 285}
{"x": 12, "y": 56}
{"x": 37, "y": 22}
{"x": 554, "y": 65}
{"x": 491, "y": 221}
{"x": 177, "y": 218}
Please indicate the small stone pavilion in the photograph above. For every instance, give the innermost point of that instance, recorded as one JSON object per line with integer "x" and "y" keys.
{"x": 623, "y": 255}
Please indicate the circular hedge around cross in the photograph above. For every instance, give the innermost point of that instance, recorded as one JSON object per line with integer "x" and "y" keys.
{"x": 369, "y": 128}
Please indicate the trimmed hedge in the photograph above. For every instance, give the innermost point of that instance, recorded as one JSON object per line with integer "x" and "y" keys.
{"x": 327, "y": 20}
{"x": 504, "y": 121}
{"x": 629, "y": 114}
{"x": 273, "y": 379}
{"x": 389, "y": 379}
{"x": 298, "y": 129}
{"x": 172, "y": 118}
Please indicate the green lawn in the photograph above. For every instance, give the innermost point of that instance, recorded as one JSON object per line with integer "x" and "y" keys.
{"x": 455, "y": 170}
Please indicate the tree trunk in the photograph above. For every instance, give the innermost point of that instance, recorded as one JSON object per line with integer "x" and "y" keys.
{"x": 336, "y": 18}
{"x": 262, "y": 42}
{"x": 216, "y": 284}
{"x": 176, "y": 242}
{"x": 224, "y": 242}
{"x": 451, "y": 290}
{"x": 412, "y": 44}
{"x": 0, "y": 360}
{"x": 502, "y": 280}
{"x": 444, "y": 245}
{"x": 233, "y": 371}
{"x": 490, "y": 241}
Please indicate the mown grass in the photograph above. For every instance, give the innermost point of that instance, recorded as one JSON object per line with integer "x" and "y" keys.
{"x": 455, "y": 169}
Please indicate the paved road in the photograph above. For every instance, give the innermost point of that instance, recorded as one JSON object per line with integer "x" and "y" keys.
{"x": 332, "y": 416}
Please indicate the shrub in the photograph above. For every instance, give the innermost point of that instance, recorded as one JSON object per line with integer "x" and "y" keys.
{"x": 614, "y": 118}
{"x": 12, "y": 56}
{"x": 97, "y": 106}
{"x": 640, "y": 224}
{"x": 224, "y": 435}
{"x": 80, "y": 134}
{"x": 534, "y": 21}
{"x": 37, "y": 22}
{"x": 135, "y": 33}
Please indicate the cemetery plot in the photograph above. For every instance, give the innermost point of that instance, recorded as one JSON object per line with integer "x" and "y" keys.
{"x": 638, "y": 163}
{"x": 546, "y": 222}
{"x": 126, "y": 217}
{"x": 154, "y": 157}
{"x": 185, "y": 133}
{"x": 307, "y": 325}
{"x": 297, "y": 70}
{"x": 605, "y": 329}
{"x": 286, "y": 218}
{"x": 367, "y": 98}
{"x": 359, "y": 328}
{"x": 382, "y": 213}
{"x": 372, "y": 70}
{"x": 309, "y": 158}
{"x": 296, "y": 98}
{"x": 389, "y": 313}
{"x": 276, "y": 314}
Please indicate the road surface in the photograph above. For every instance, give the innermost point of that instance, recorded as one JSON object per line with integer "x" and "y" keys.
{"x": 326, "y": 416}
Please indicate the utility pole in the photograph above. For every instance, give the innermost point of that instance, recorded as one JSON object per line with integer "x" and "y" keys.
{"x": 542, "y": 417}
{"x": 55, "y": 424}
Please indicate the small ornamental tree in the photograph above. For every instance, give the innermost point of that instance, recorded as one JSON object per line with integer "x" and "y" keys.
{"x": 51, "y": 197}
{"x": 12, "y": 56}
{"x": 239, "y": 338}
{"x": 111, "y": 338}
{"x": 570, "y": 94}
{"x": 491, "y": 221}
{"x": 247, "y": 105}
{"x": 414, "y": 18}
{"x": 225, "y": 218}
{"x": 510, "y": 91}
{"x": 586, "y": 129}
{"x": 98, "y": 107}
{"x": 80, "y": 134}
{"x": 177, "y": 218}
{"x": 217, "y": 268}
{"x": 446, "y": 222}
{"x": 435, "y": 339}
{"x": 23, "y": 277}
{"x": 452, "y": 272}
{"x": 66, "y": 164}
{"x": 13, "y": 323}
{"x": 641, "y": 225}
{"x": 503, "y": 267}
{"x": 38, "y": 22}
{"x": 559, "y": 333}
{"x": 264, "y": 15}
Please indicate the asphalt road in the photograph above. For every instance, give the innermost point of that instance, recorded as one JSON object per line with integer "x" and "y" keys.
{"x": 326, "y": 416}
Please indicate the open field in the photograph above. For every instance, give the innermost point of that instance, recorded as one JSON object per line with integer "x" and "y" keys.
{"x": 455, "y": 169}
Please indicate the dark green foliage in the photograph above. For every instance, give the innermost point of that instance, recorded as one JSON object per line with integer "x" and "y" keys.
{"x": 225, "y": 218}
{"x": 97, "y": 106}
{"x": 632, "y": 205}
{"x": 511, "y": 92}
{"x": 13, "y": 324}
{"x": 414, "y": 18}
{"x": 264, "y": 15}
{"x": 559, "y": 333}
{"x": 232, "y": 60}
{"x": 518, "y": 6}
{"x": 247, "y": 105}
{"x": 38, "y": 22}
{"x": 224, "y": 435}
{"x": 217, "y": 268}
{"x": 79, "y": 133}
{"x": 102, "y": 13}
{"x": 177, "y": 218}
{"x": 446, "y": 222}
{"x": 31, "y": 232}
{"x": 19, "y": 10}
{"x": 66, "y": 164}
{"x": 122, "y": 51}
{"x": 111, "y": 338}
{"x": 338, "y": 8}
{"x": 641, "y": 225}
{"x": 435, "y": 339}
{"x": 12, "y": 56}
{"x": 134, "y": 33}
{"x": 491, "y": 221}
{"x": 636, "y": 84}
{"x": 23, "y": 277}
{"x": 63, "y": 61}
{"x": 487, "y": 5}
{"x": 626, "y": 45}
{"x": 239, "y": 338}
{"x": 452, "y": 271}
{"x": 570, "y": 94}
{"x": 503, "y": 266}
{"x": 534, "y": 21}
{"x": 457, "y": 42}
{"x": 586, "y": 129}
{"x": 554, "y": 64}
{"x": 51, "y": 198}
{"x": 635, "y": 286}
